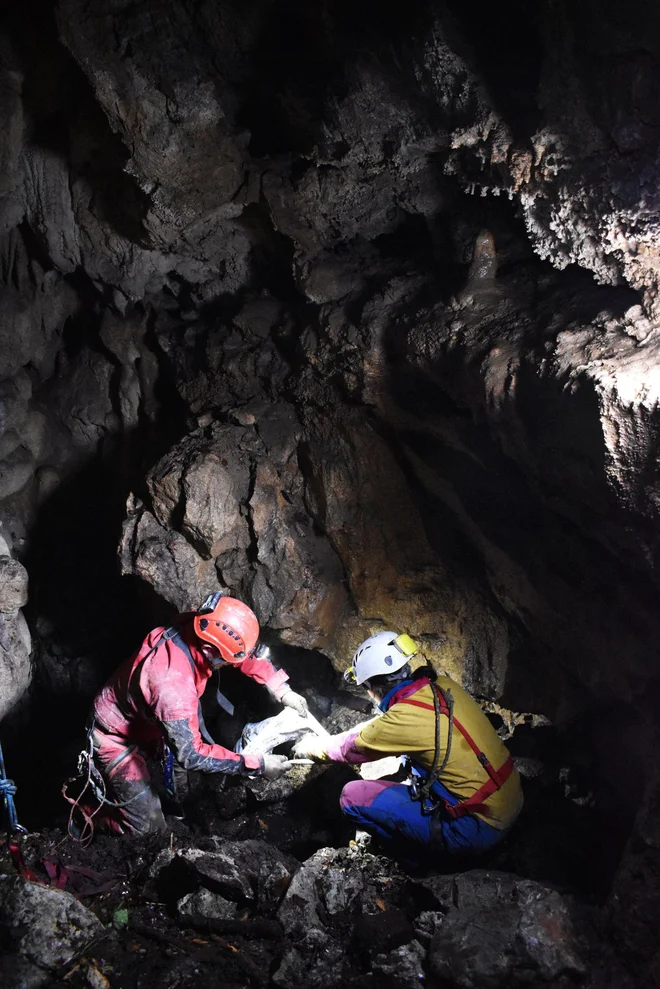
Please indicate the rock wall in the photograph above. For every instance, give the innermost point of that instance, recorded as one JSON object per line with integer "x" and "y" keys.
{"x": 15, "y": 640}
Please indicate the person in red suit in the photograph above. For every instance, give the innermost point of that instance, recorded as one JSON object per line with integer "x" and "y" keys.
{"x": 153, "y": 699}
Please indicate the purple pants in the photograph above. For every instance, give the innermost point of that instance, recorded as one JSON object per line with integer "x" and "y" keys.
{"x": 387, "y": 810}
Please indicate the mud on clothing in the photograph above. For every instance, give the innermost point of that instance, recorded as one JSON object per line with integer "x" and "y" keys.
{"x": 154, "y": 697}
{"x": 407, "y": 727}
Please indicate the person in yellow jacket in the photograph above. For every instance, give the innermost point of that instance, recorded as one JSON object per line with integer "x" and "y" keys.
{"x": 464, "y": 793}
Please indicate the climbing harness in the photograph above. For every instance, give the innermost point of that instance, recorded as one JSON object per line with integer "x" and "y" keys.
{"x": 443, "y": 704}
{"x": 94, "y": 782}
{"x": 173, "y": 634}
{"x": 8, "y": 792}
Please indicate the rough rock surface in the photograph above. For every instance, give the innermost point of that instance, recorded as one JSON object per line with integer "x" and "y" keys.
{"x": 313, "y": 265}
{"x": 634, "y": 903}
{"x": 332, "y": 882}
{"x": 15, "y": 639}
{"x": 204, "y": 903}
{"x": 43, "y": 930}
{"x": 350, "y": 253}
{"x": 236, "y": 492}
{"x": 243, "y": 871}
{"x": 403, "y": 966}
{"x": 498, "y": 928}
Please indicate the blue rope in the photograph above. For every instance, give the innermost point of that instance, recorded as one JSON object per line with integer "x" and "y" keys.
{"x": 8, "y": 791}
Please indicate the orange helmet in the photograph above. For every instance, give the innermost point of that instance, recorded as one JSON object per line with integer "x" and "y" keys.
{"x": 229, "y": 625}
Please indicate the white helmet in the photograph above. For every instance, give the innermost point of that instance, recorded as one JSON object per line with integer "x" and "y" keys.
{"x": 380, "y": 654}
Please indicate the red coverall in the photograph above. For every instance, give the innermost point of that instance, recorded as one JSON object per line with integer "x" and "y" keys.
{"x": 153, "y": 696}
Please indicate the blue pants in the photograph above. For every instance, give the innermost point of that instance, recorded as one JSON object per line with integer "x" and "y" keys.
{"x": 387, "y": 810}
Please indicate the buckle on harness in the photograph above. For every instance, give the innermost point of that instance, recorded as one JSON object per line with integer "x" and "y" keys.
{"x": 427, "y": 804}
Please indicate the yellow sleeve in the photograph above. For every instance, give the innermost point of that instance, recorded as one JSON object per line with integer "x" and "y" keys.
{"x": 403, "y": 730}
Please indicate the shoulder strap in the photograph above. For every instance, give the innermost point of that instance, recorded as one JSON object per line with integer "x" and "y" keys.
{"x": 179, "y": 641}
{"x": 474, "y": 804}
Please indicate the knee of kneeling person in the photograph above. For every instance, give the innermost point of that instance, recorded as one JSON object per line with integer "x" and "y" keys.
{"x": 349, "y": 796}
{"x": 359, "y": 793}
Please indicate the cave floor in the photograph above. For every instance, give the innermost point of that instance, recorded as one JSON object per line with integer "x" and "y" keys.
{"x": 147, "y": 942}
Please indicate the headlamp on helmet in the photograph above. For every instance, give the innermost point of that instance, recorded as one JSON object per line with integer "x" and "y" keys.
{"x": 384, "y": 654}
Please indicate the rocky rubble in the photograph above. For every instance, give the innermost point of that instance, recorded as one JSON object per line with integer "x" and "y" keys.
{"x": 343, "y": 917}
{"x": 262, "y": 887}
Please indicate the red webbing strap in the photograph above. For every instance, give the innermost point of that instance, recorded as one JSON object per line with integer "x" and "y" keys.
{"x": 19, "y": 862}
{"x": 429, "y": 707}
{"x": 481, "y": 756}
{"x": 473, "y": 804}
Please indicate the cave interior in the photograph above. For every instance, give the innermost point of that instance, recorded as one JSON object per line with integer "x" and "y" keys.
{"x": 349, "y": 311}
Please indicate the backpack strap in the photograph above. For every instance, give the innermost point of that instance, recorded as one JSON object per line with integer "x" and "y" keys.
{"x": 174, "y": 634}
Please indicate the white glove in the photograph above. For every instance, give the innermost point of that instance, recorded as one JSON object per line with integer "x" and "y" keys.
{"x": 310, "y": 746}
{"x": 275, "y": 766}
{"x": 296, "y": 701}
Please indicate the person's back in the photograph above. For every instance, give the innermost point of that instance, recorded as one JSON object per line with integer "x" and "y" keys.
{"x": 408, "y": 728}
{"x": 158, "y": 683}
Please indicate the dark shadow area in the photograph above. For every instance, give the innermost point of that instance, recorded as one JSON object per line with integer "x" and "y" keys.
{"x": 64, "y": 117}
{"x": 85, "y": 619}
{"x": 503, "y": 44}
{"x": 304, "y": 60}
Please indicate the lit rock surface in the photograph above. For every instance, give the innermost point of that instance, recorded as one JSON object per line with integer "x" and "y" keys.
{"x": 15, "y": 639}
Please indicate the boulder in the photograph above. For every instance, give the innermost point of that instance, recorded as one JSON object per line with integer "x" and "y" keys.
{"x": 14, "y": 400}
{"x": 241, "y": 871}
{"x": 43, "y": 930}
{"x": 501, "y": 932}
{"x": 404, "y": 966}
{"x": 15, "y": 639}
{"x": 16, "y": 670}
{"x": 228, "y": 504}
{"x": 13, "y": 585}
{"x": 17, "y": 469}
{"x": 272, "y": 791}
{"x": 204, "y": 903}
{"x": 314, "y": 962}
{"x": 164, "y": 559}
{"x": 337, "y": 881}
{"x": 207, "y": 483}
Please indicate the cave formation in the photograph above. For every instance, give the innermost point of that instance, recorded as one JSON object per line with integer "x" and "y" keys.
{"x": 350, "y": 310}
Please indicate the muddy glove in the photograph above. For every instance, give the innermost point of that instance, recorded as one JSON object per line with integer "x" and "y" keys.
{"x": 275, "y": 766}
{"x": 309, "y": 747}
{"x": 296, "y": 701}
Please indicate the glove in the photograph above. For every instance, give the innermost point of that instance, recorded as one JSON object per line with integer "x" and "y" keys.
{"x": 295, "y": 701}
{"x": 275, "y": 766}
{"x": 309, "y": 747}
